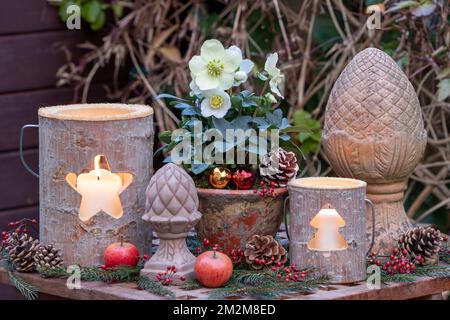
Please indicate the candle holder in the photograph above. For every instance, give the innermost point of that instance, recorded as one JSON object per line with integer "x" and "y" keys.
{"x": 70, "y": 139}
{"x": 374, "y": 132}
{"x": 327, "y": 226}
{"x": 172, "y": 210}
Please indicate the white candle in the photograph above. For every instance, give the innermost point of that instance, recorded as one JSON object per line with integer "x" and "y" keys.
{"x": 99, "y": 190}
{"x": 327, "y": 238}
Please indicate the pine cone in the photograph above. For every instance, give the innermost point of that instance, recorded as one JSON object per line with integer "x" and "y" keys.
{"x": 48, "y": 257}
{"x": 279, "y": 166}
{"x": 21, "y": 249}
{"x": 420, "y": 241}
{"x": 264, "y": 251}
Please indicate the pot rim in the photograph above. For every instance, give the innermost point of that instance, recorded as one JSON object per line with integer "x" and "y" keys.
{"x": 211, "y": 191}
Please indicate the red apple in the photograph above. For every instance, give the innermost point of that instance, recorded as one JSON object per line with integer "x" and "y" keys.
{"x": 121, "y": 253}
{"x": 213, "y": 269}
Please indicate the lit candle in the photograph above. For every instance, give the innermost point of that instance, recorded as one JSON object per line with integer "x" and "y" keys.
{"x": 327, "y": 238}
{"x": 99, "y": 190}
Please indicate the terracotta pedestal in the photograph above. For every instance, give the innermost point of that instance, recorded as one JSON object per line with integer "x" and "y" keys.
{"x": 374, "y": 132}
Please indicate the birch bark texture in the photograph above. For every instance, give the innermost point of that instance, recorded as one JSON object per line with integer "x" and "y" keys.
{"x": 307, "y": 196}
{"x": 69, "y": 139}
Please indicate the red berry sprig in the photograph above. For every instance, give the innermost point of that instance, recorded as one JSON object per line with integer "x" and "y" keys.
{"x": 166, "y": 278}
{"x": 399, "y": 262}
{"x": 19, "y": 226}
{"x": 265, "y": 190}
{"x": 289, "y": 273}
{"x": 237, "y": 256}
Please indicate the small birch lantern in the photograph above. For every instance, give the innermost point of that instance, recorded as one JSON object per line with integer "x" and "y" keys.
{"x": 327, "y": 228}
{"x": 84, "y": 204}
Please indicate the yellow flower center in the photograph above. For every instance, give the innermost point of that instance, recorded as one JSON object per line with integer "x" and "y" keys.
{"x": 216, "y": 102}
{"x": 215, "y": 68}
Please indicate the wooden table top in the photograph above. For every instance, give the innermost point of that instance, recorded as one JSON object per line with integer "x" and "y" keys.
{"x": 423, "y": 286}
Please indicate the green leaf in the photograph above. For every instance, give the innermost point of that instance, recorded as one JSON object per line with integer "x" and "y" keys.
{"x": 91, "y": 11}
{"x": 100, "y": 22}
{"x": 444, "y": 89}
{"x": 117, "y": 9}
{"x": 165, "y": 136}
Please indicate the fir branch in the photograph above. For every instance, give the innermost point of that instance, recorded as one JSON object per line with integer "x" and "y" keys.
{"x": 118, "y": 274}
{"x": 27, "y": 290}
{"x": 191, "y": 284}
{"x": 154, "y": 287}
{"x": 264, "y": 284}
{"x": 438, "y": 270}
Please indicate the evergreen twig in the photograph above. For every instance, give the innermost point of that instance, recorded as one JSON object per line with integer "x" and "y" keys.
{"x": 27, "y": 290}
{"x": 264, "y": 284}
{"x": 438, "y": 270}
{"x": 191, "y": 284}
{"x": 154, "y": 287}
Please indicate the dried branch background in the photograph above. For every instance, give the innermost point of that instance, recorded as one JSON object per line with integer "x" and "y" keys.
{"x": 315, "y": 39}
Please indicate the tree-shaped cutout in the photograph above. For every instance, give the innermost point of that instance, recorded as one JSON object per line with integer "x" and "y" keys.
{"x": 327, "y": 238}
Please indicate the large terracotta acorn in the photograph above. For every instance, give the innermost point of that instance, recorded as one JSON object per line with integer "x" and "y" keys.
{"x": 374, "y": 132}
{"x": 171, "y": 210}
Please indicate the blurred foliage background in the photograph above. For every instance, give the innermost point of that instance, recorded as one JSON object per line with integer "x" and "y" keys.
{"x": 149, "y": 43}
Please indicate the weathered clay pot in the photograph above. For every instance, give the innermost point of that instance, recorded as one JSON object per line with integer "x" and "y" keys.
{"x": 231, "y": 217}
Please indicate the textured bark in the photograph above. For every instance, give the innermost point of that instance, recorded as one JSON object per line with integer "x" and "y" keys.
{"x": 343, "y": 266}
{"x": 70, "y": 146}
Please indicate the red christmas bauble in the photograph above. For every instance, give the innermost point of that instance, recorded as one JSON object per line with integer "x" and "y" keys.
{"x": 213, "y": 269}
{"x": 121, "y": 253}
{"x": 244, "y": 178}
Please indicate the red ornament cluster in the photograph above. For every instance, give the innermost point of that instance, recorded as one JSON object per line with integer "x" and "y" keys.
{"x": 244, "y": 179}
{"x": 237, "y": 256}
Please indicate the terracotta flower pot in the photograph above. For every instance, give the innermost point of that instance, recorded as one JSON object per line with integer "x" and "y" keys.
{"x": 231, "y": 217}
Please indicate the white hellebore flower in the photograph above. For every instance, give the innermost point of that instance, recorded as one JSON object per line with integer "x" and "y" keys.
{"x": 276, "y": 78}
{"x": 245, "y": 68}
{"x": 195, "y": 90}
{"x": 216, "y": 103}
{"x": 271, "y": 97}
{"x": 215, "y": 66}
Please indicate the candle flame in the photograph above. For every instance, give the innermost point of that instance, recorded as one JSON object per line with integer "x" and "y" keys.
{"x": 97, "y": 166}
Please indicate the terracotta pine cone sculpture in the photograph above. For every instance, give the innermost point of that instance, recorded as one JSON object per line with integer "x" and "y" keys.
{"x": 263, "y": 252}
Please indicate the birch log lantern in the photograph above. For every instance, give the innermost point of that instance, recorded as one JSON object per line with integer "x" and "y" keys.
{"x": 327, "y": 226}
{"x": 95, "y": 161}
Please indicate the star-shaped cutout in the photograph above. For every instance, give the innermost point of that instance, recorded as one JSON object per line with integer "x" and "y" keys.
{"x": 100, "y": 193}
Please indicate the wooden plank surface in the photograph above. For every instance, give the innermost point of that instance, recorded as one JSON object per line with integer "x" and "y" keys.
{"x": 20, "y": 16}
{"x": 18, "y": 109}
{"x": 128, "y": 291}
{"x": 17, "y": 186}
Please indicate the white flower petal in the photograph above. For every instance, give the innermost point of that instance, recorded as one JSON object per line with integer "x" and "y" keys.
{"x": 231, "y": 60}
{"x": 274, "y": 87}
{"x": 246, "y": 65}
{"x": 205, "y": 82}
{"x": 207, "y": 111}
{"x": 236, "y": 49}
{"x": 225, "y": 81}
{"x": 197, "y": 64}
{"x": 212, "y": 49}
{"x": 270, "y": 65}
{"x": 195, "y": 90}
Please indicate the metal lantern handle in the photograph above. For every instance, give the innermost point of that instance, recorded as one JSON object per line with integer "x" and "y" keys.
{"x": 21, "y": 149}
{"x": 372, "y": 208}
{"x": 285, "y": 212}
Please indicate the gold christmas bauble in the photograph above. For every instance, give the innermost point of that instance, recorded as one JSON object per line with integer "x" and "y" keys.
{"x": 219, "y": 177}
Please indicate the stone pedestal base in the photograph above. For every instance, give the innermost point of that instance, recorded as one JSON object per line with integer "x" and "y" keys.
{"x": 390, "y": 216}
{"x": 171, "y": 252}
